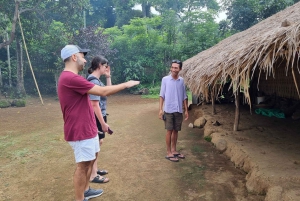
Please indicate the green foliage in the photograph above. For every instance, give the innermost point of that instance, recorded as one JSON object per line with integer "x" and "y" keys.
{"x": 198, "y": 35}
{"x": 245, "y": 13}
{"x": 18, "y": 103}
{"x": 101, "y": 13}
{"x": 123, "y": 11}
{"x": 4, "y": 103}
{"x": 207, "y": 138}
{"x": 137, "y": 48}
{"x": 153, "y": 92}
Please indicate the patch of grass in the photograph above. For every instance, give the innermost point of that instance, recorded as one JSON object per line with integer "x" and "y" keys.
{"x": 5, "y": 141}
{"x": 207, "y": 138}
{"x": 21, "y": 153}
{"x": 197, "y": 149}
{"x": 154, "y": 93}
{"x": 195, "y": 176}
{"x": 193, "y": 134}
{"x": 152, "y": 96}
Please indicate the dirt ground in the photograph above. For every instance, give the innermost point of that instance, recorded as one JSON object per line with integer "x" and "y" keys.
{"x": 267, "y": 149}
{"x": 37, "y": 164}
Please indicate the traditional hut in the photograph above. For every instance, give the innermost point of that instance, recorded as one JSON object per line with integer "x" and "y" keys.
{"x": 264, "y": 57}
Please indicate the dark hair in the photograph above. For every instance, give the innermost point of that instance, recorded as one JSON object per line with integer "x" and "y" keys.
{"x": 178, "y": 62}
{"x": 67, "y": 59}
{"x": 95, "y": 63}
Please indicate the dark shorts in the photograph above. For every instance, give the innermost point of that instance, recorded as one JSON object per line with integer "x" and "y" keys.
{"x": 101, "y": 136}
{"x": 173, "y": 121}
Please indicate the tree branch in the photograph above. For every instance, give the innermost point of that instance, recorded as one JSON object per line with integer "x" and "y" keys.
{"x": 14, "y": 22}
{"x": 13, "y": 30}
{"x": 30, "y": 9}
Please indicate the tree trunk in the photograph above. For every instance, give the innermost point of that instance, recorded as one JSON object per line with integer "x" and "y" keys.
{"x": 146, "y": 9}
{"x": 1, "y": 80}
{"x": 13, "y": 26}
{"x": 20, "y": 78}
{"x": 56, "y": 77}
{"x": 8, "y": 62}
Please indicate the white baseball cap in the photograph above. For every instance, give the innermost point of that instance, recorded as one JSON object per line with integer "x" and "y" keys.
{"x": 69, "y": 50}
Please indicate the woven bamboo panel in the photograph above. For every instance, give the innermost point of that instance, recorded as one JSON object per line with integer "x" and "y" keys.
{"x": 281, "y": 82}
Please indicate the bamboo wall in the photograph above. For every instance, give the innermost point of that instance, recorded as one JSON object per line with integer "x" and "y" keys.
{"x": 282, "y": 83}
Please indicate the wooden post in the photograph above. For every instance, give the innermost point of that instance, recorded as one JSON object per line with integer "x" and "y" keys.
{"x": 237, "y": 110}
{"x": 213, "y": 105}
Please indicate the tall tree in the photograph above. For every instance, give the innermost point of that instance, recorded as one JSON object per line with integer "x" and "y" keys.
{"x": 101, "y": 13}
{"x": 41, "y": 11}
{"x": 20, "y": 79}
{"x": 93, "y": 38}
{"x": 124, "y": 11}
{"x": 245, "y": 13}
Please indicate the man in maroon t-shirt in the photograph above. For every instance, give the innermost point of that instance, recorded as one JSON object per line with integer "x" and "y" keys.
{"x": 79, "y": 120}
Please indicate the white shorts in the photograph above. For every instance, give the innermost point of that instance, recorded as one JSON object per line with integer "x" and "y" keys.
{"x": 85, "y": 150}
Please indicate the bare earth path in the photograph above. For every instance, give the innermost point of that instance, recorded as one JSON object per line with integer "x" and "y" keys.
{"x": 37, "y": 164}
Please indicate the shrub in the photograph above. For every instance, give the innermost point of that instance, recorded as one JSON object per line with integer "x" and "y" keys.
{"x": 18, "y": 103}
{"x": 4, "y": 103}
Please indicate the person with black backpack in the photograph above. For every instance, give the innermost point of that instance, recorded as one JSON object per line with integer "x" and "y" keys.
{"x": 99, "y": 66}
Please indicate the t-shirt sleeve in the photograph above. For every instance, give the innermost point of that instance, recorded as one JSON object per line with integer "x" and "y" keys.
{"x": 162, "y": 88}
{"x": 184, "y": 92}
{"x": 80, "y": 85}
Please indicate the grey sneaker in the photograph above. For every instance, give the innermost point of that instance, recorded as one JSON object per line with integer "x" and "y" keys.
{"x": 85, "y": 199}
{"x": 92, "y": 193}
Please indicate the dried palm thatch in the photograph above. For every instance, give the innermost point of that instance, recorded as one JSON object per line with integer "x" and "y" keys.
{"x": 239, "y": 56}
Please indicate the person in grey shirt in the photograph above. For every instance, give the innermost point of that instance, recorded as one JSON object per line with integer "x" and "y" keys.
{"x": 171, "y": 102}
{"x": 99, "y": 66}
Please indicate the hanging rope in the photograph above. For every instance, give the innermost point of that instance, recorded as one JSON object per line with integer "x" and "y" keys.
{"x": 37, "y": 87}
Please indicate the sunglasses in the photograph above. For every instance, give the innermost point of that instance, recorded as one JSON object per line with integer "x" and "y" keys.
{"x": 176, "y": 61}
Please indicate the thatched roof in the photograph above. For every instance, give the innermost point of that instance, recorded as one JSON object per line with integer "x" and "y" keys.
{"x": 239, "y": 55}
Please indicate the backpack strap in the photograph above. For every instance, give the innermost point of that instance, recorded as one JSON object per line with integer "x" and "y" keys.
{"x": 92, "y": 78}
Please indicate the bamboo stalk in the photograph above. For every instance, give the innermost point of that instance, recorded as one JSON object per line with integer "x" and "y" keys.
{"x": 37, "y": 87}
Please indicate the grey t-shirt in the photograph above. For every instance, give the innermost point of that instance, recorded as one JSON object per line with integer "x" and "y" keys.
{"x": 102, "y": 99}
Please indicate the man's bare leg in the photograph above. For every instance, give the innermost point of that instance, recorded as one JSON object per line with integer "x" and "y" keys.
{"x": 168, "y": 143}
{"x": 174, "y": 141}
{"x": 174, "y": 145}
{"x": 94, "y": 169}
{"x": 81, "y": 179}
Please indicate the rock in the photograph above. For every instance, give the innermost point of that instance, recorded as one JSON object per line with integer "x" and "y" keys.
{"x": 208, "y": 131}
{"x": 296, "y": 115}
{"x": 145, "y": 91}
{"x": 274, "y": 194}
{"x": 191, "y": 125}
{"x": 200, "y": 122}
{"x": 221, "y": 145}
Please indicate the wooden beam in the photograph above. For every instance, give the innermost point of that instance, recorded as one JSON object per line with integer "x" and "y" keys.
{"x": 213, "y": 101}
{"x": 237, "y": 110}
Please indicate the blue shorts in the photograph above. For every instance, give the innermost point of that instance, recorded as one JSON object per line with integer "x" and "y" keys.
{"x": 85, "y": 150}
